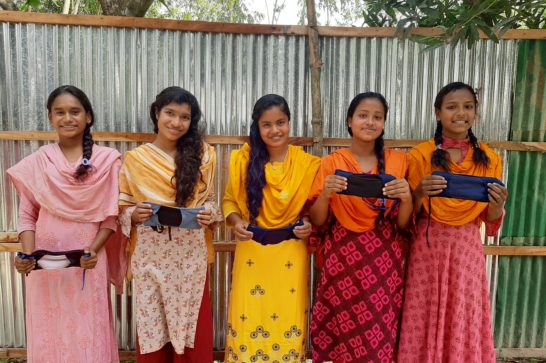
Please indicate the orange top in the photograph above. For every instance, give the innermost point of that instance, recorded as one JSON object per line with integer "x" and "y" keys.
{"x": 454, "y": 212}
{"x": 354, "y": 213}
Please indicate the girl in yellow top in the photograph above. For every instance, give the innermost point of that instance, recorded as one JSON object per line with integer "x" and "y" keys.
{"x": 268, "y": 187}
{"x": 447, "y": 317}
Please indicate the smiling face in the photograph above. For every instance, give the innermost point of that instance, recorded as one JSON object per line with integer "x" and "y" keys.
{"x": 173, "y": 121}
{"x": 274, "y": 127}
{"x": 457, "y": 113}
{"x": 68, "y": 116}
{"x": 368, "y": 120}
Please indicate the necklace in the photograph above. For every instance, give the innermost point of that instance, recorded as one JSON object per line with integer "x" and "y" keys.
{"x": 277, "y": 167}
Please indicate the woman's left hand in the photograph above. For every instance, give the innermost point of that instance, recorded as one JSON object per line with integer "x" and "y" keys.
{"x": 398, "y": 189}
{"x": 302, "y": 232}
{"x": 497, "y": 197}
{"x": 204, "y": 218}
{"x": 89, "y": 262}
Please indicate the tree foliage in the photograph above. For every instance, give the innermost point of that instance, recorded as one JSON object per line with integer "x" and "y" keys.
{"x": 87, "y": 7}
{"x": 460, "y": 20}
{"x": 230, "y": 11}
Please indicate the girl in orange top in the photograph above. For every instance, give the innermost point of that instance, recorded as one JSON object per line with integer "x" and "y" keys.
{"x": 447, "y": 317}
{"x": 359, "y": 297}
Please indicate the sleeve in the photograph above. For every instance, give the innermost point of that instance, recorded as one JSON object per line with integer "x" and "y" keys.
{"x": 28, "y": 213}
{"x": 110, "y": 222}
{"x": 229, "y": 203}
{"x": 125, "y": 220}
{"x": 416, "y": 168}
{"x": 126, "y": 197}
{"x": 326, "y": 168}
{"x": 210, "y": 202}
{"x": 493, "y": 227}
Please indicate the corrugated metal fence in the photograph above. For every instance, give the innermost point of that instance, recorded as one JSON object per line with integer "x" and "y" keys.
{"x": 122, "y": 69}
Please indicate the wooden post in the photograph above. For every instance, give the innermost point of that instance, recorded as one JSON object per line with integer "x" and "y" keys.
{"x": 316, "y": 65}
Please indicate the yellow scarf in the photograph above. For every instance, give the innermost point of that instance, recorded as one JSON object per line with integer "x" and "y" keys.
{"x": 147, "y": 175}
{"x": 455, "y": 212}
{"x": 285, "y": 193}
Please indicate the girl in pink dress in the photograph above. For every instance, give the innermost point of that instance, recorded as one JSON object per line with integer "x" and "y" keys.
{"x": 446, "y": 315}
{"x": 68, "y": 195}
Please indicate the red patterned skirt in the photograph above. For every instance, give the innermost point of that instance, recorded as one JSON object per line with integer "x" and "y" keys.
{"x": 359, "y": 297}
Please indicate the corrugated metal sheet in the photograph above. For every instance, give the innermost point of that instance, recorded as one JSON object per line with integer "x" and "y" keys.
{"x": 521, "y": 295}
{"x": 123, "y": 69}
{"x": 409, "y": 78}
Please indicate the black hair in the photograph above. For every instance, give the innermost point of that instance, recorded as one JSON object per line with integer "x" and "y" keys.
{"x": 440, "y": 157}
{"x": 87, "y": 141}
{"x": 379, "y": 144}
{"x": 189, "y": 148}
{"x": 259, "y": 156}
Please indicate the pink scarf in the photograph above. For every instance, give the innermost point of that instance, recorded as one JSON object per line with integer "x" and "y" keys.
{"x": 462, "y": 145}
{"x": 46, "y": 176}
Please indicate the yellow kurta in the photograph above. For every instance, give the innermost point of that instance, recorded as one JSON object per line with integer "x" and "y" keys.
{"x": 268, "y": 305}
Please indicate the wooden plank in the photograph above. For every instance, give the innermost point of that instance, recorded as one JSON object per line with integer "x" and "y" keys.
{"x": 515, "y": 250}
{"x": 19, "y": 353}
{"x": 209, "y": 27}
{"x": 385, "y": 32}
{"x": 149, "y": 23}
{"x": 239, "y": 140}
{"x": 9, "y": 244}
{"x": 10, "y": 247}
{"x": 124, "y": 355}
{"x": 521, "y": 353}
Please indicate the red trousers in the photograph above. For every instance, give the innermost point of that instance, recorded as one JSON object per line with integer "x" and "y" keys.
{"x": 201, "y": 353}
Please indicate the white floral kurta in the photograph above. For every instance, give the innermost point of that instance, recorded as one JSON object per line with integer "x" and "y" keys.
{"x": 169, "y": 277}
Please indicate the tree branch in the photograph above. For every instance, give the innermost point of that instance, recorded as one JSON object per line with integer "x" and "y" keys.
{"x": 8, "y": 5}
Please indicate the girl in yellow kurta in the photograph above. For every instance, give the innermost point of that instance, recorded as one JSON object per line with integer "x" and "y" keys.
{"x": 268, "y": 187}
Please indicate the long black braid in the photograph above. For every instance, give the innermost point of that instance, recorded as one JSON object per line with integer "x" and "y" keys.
{"x": 440, "y": 157}
{"x": 87, "y": 141}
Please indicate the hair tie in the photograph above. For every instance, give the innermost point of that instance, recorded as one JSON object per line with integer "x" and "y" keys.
{"x": 439, "y": 147}
{"x": 86, "y": 162}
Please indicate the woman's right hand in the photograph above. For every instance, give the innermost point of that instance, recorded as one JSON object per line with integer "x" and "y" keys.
{"x": 333, "y": 184}
{"x": 241, "y": 233}
{"x": 430, "y": 185}
{"x": 141, "y": 213}
{"x": 24, "y": 266}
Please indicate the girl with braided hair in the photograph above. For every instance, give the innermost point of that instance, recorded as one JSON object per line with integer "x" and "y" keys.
{"x": 359, "y": 296}
{"x": 68, "y": 195}
{"x": 447, "y": 317}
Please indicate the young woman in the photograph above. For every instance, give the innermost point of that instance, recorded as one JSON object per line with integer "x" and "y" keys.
{"x": 68, "y": 195}
{"x": 447, "y": 317}
{"x": 268, "y": 186}
{"x": 169, "y": 264}
{"x": 359, "y": 296}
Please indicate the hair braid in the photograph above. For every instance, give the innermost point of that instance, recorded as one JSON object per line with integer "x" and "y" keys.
{"x": 440, "y": 157}
{"x": 479, "y": 157}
